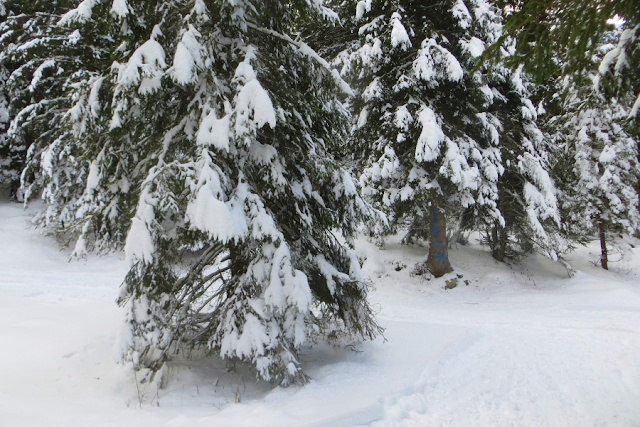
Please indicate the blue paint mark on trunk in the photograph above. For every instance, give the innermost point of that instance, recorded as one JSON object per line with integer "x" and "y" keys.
{"x": 442, "y": 255}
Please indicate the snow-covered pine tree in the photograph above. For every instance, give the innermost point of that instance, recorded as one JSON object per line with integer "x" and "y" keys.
{"x": 7, "y": 177}
{"x": 42, "y": 64}
{"x": 429, "y": 127}
{"x": 527, "y": 194}
{"x": 205, "y": 150}
{"x": 563, "y": 37}
{"x": 418, "y": 138}
{"x": 597, "y": 166}
{"x": 618, "y": 74}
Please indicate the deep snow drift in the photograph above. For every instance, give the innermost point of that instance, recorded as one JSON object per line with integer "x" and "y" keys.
{"x": 519, "y": 345}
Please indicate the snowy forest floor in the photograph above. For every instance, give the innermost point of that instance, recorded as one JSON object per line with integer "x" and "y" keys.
{"x": 520, "y": 345}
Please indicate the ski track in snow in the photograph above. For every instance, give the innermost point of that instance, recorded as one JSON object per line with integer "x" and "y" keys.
{"x": 519, "y": 345}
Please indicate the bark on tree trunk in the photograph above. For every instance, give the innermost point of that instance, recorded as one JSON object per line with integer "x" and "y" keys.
{"x": 438, "y": 260}
{"x": 499, "y": 243}
{"x": 494, "y": 243}
{"x": 503, "y": 243}
{"x": 604, "y": 256}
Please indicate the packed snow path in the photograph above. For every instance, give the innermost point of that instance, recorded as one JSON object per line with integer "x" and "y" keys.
{"x": 519, "y": 345}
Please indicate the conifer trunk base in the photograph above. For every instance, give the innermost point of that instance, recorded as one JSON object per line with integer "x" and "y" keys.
{"x": 438, "y": 261}
{"x": 499, "y": 243}
{"x": 604, "y": 255}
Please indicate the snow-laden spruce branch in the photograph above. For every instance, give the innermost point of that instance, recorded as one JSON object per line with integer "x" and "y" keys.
{"x": 15, "y": 123}
{"x": 306, "y": 50}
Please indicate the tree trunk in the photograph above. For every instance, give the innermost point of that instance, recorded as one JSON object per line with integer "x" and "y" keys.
{"x": 499, "y": 243}
{"x": 438, "y": 260}
{"x": 494, "y": 243}
{"x": 604, "y": 257}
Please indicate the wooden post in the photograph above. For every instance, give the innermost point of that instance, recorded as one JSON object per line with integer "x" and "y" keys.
{"x": 438, "y": 260}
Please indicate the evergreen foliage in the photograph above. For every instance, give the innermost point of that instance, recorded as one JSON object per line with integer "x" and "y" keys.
{"x": 559, "y": 37}
{"x": 618, "y": 75}
{"x": 596, "y": 124}
{"x": 7, "y": 177}
{"x": 432, "y": 131}
{"x": 562, "y": 38}
{"x": 215, "y": 141}
{"x": 526, "y": 191}
{"x": 34, "y": 50}
{"x": 200, "y": 140}
{"x": 597, "y": 164}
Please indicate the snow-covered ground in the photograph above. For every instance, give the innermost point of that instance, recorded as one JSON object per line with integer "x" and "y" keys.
{"x": 519, "y": 345}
